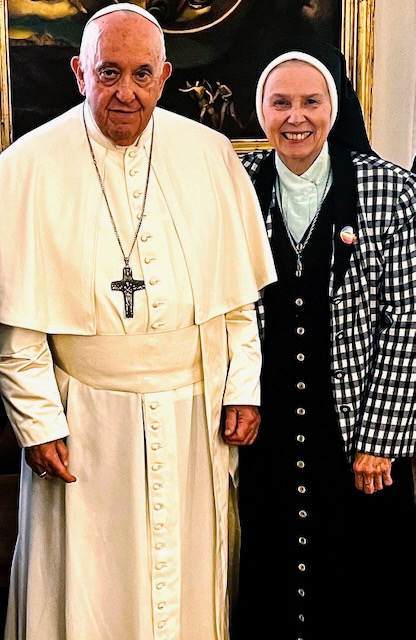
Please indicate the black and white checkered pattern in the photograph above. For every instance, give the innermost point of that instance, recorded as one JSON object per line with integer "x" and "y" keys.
{"x": 373, "y": 313}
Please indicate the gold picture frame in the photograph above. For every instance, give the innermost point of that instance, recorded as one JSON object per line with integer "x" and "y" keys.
{"x": 5, "y": 98}
{"x": 357, "y": 44}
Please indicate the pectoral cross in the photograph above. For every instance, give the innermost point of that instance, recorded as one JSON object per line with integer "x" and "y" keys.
{"x": 128, "y": 286}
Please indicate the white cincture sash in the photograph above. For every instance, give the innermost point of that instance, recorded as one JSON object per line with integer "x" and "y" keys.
{"x": 139, "y": 363}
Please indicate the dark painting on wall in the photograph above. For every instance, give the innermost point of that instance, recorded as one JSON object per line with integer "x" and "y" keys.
{"x": 217, "y": 47}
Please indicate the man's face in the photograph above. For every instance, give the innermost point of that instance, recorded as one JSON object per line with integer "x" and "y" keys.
{"x": 297, "y": 113}
{"x": 121, "y": 73}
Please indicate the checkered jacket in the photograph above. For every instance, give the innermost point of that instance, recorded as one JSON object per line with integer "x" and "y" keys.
{"x": 373, "y": 311}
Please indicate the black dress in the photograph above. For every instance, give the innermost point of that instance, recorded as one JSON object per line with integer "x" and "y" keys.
{"x": 320, "y": 560}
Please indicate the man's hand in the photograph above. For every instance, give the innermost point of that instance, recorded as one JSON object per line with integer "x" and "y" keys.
{"x": 241, "y": 424}
{"x": 51, "y": 457}
{"x": 372, "y": 473}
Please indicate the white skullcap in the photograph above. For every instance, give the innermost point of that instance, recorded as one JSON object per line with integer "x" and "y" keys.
{"x": 125, "y": 6}
{"x": 305, "y": 57}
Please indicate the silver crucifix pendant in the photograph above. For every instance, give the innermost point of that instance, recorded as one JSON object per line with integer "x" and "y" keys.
{"x": 128, "y": 286}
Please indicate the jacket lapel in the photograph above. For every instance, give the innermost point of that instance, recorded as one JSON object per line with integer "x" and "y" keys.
{"x": 345, "y": 201}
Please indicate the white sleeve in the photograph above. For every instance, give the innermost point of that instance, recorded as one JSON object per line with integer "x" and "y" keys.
{"x": 244, "y": 350}
{"x": 28, "y": 386}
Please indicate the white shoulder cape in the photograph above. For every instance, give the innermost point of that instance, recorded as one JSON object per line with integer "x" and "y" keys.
{"x": 50, "y": 204}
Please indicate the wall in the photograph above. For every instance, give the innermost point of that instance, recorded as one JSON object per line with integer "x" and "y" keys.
{"x": 394, "y": 85}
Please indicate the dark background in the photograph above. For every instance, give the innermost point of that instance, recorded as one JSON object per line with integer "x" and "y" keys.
{"x": 234, "y": 52}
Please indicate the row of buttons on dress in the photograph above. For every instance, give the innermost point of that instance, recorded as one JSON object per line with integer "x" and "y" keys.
{"x": 152, "y": 281}
{"x": 300, "y": 438}
{"x": 159, "y": 527}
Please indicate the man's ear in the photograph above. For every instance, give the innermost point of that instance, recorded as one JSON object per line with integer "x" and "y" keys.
{"x": 79, "y": 74}
{"x": 166, "y": 73}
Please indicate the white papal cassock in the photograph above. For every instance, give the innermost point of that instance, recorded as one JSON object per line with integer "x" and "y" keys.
{"x": 137, "y": 548}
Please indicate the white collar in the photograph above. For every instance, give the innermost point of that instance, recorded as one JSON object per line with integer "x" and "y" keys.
{"x": 317, "y": 173}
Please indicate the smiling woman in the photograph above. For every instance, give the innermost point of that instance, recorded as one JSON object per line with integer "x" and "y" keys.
{"x": 297, "y": 123}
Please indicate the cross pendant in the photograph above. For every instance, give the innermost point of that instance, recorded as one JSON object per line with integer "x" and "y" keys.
{"x": 128, "y": 286}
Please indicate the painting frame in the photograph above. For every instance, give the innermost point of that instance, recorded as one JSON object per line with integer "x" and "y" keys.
{"x": 357, "y": 44}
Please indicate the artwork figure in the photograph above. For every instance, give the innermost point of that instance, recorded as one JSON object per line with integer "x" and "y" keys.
{"x": 224, "y": 92}
{"x": 202, "y": 92}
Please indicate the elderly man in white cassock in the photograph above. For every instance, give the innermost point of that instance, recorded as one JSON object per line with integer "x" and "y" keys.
{"x": 133, "y": 251}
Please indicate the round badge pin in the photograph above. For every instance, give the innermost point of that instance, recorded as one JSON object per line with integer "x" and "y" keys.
{"x": 348, "y": 236}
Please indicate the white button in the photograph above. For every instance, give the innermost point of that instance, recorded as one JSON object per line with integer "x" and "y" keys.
{"x": 303, "y": 513}
{"x": 159, "y": 546}
{"x": 298, "y": 302}
{"x": 161, "y": 625}
{"x": 302, "y": 566}
{"x": 148, "y": 260}
{"x": 300, "y": 357}
{"x": 301, "y": 592}
{"x": 156, "y": 467}
{"x": 301, "y": 411}
{"x": 303, "y": 540}
{"x": 160, "y": 585}
{"x": 159, "y": 526}
{"x": 161, "y": 605}
{"x": 300, "y": 331}
{"x": 301, "y": 385}
{"x": 155, "y": 426}
{"x": 132, "y": 172}
{"x": 137, "y": 193}
{"x": 156, "y": 446}
{"x": 132, "y": 153}
{"x": 153, "y": 281}
{"x": 145, "y": 236}
{"x": 158, "y": 506}
{"x": 157, "y": 486}
{"x": 301, "y": 617}
{"x": 157, "y": 325}
{"x": 301, "y": 489}
{"x": 157, "y": 304}
{"x": 300, "y": 464}
{"x": 154, "y": 405}
{"x": 300, "y": 438}
{"x": 161, "y": 565}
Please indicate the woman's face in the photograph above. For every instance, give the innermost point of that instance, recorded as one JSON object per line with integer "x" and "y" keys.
{"x": 297, "y": 113}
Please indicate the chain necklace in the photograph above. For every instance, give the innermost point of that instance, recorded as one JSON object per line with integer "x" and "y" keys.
{"x": 127, "y": 285}
{"x": 298, "y": 247}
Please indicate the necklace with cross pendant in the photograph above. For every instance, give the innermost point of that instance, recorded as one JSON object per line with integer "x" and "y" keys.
{"x": 127, "y": 285}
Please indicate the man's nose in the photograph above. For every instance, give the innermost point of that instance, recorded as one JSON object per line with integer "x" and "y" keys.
{"x": 126, "y": 90}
